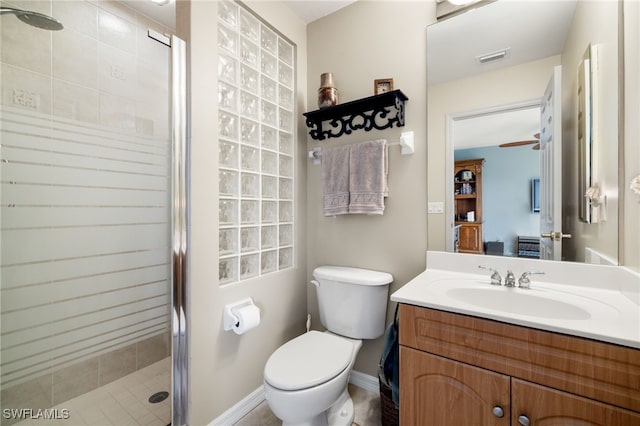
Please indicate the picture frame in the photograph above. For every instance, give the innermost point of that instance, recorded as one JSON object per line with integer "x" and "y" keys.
{"x": 382, "y": 85}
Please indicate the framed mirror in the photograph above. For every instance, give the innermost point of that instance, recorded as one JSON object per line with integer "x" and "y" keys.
{"x": 496, "y": 62}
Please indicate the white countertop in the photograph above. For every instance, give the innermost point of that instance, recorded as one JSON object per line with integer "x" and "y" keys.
{"x": 602, "y": 311}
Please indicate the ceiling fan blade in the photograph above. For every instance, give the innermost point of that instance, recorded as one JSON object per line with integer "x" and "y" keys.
{"x": 517, "y": 143}
{"x": 536, "y": 147}
{"x": 537, "y": 135}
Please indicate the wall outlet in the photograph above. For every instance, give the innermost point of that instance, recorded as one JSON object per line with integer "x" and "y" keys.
{"x": 435, "y": 207}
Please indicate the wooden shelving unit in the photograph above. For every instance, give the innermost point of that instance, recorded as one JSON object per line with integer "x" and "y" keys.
{"x": 467, "y": 182}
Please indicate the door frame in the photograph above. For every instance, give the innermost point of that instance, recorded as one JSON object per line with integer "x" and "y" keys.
{"x": 450, "y": 120}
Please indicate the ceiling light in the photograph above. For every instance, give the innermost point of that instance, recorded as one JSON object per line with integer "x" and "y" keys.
{"x": 161, "y": 2}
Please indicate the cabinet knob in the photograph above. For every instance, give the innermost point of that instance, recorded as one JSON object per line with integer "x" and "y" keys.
{"x": 498, "y": 411}
{"x": 524, "y": 420}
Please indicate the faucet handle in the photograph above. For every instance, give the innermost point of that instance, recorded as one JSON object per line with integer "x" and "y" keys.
{"x": 524, "y": 281}
{"x": 496, "y": 279}
{"x": 510, "y": 279}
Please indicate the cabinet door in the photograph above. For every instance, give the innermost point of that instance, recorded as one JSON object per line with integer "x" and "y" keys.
{"x": 544, "y": 406}
{"x": 438, "y": 391}
{"x": 470, "y": 239}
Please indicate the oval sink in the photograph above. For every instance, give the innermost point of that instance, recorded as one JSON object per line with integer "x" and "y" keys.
{"x": 518, "y": 302}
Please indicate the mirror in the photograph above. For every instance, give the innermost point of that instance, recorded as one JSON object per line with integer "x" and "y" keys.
{"x": 488, "y": 69}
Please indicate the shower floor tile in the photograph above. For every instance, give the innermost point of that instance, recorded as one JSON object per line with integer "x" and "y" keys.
{"x": 124, "y": 402}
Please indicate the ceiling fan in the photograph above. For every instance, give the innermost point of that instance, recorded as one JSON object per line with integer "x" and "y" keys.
{"x": 535, "y": 142}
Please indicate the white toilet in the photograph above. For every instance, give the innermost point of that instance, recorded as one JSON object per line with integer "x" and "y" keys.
{"x": 305, "y": 380}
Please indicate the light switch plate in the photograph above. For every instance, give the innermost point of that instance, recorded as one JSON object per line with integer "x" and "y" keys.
{"x": 435, "y": 207}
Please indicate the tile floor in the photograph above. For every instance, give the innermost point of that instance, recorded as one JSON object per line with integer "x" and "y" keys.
{"x": 123, "y": 402}
{"x": 367, "y": 407}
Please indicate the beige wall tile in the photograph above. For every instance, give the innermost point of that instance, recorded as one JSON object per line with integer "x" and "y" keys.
{"x": 25, "y": 46}
{"x": 152, "y": 350}
{"x": 152, "y": 100}
{"x": 117, "y": 71}
{"x": 117, "y": 8}
{"x": 152, "y": 51}
{"x": 75, "y": 380}
{"x": 75, "y": 58}
{"x": 40, "y": 6}
{"x": 116, "y": 31}
{"x": 116, "y": 111}
{"x": 36, "y": 393}
{"x": 78, "y": 15}
{"x": 118, "y": 363}
{"x": 25, "y": 89}
{"x": 75, "y": 102}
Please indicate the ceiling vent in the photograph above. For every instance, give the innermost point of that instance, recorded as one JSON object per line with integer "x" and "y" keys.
{"x": 494, "y": 56}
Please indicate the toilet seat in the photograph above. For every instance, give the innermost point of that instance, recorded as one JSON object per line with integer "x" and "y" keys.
{"x": 308, "y": 360}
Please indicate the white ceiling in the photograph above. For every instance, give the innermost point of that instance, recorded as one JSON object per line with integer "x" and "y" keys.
{"x": 531, "y": 29}
{"x": 497, "y": 128}
{"x": 311, "y": 10}
{"x": 307, "y": 10}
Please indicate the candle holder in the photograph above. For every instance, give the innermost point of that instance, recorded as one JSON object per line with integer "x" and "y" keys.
{"x": 327, "y": 93}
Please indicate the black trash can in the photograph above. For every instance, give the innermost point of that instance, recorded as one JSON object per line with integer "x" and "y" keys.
{"x": 389, "y": 376}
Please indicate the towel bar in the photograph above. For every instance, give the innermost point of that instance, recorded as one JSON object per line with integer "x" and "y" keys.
{"x": 405, "y": 142}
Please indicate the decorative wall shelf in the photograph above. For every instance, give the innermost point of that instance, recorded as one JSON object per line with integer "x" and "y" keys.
{"x": 375, "y": 112}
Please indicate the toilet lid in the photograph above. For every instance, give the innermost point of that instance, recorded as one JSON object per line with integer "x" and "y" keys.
{"x": 308, "y": 360}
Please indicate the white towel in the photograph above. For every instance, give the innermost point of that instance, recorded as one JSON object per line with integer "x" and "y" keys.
{"x": 368, "y": 171}
{"x": 335, "y": 180}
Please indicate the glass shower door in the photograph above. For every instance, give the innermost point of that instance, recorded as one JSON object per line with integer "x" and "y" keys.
{"x": 85, "y": 296}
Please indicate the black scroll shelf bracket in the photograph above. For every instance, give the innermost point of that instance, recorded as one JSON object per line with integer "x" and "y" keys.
{"x": 375, "y": 112}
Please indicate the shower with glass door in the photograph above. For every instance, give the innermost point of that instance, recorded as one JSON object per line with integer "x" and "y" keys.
{"x": 87, "y": 287}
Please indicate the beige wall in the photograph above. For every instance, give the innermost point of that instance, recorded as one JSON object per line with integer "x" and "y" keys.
{"x": 360, "y": 43}
{"x": 594, "y": 22}
{"x": 224, "y": 367}
{"x": 491, "y": 89}
{"x": 631, "y": 152}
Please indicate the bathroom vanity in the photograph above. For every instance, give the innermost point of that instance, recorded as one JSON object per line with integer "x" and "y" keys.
{"x": 457, "y": 369}
{"x": 471, "y": 360}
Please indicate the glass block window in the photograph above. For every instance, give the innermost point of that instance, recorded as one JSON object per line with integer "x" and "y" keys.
{"x": 256, "y": 146}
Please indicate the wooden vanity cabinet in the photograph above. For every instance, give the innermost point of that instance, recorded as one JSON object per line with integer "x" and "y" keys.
{"x": 457, "y": 369}
{"x": 445, "y": 392}
{"x": 543, "y": 406}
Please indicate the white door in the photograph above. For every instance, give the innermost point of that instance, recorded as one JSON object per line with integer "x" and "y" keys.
{"x": 551, "y": 169}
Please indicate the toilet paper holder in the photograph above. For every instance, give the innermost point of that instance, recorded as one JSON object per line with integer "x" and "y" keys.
{"x": 229, "y": 319}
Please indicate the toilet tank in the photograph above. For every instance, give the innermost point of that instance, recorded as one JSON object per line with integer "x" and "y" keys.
{"x": 352, "y": 301}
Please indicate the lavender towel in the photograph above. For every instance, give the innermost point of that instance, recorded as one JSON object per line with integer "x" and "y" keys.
{"x": 368, "y": 171}
{"x": 335, "y": 180}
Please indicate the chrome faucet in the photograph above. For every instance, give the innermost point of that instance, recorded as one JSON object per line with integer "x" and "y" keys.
{"x": 496, "y": 279}
{"x": 524, "y": 281}
{"x": 510, "y": 279}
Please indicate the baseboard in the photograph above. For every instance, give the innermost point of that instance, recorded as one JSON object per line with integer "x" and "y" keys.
{"x": 241, "y": 409}
{"x": 364, "y": 381}
{"x": 255, "y": 398}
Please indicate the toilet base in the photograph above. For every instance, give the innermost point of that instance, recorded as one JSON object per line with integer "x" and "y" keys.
{"x": 341, "y": 413}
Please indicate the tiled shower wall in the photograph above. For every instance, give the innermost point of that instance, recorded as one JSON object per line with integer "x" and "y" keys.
{"x": 85, "y": 200}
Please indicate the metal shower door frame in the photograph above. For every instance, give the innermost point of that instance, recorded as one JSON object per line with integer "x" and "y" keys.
{"x": 180, "y": 232}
